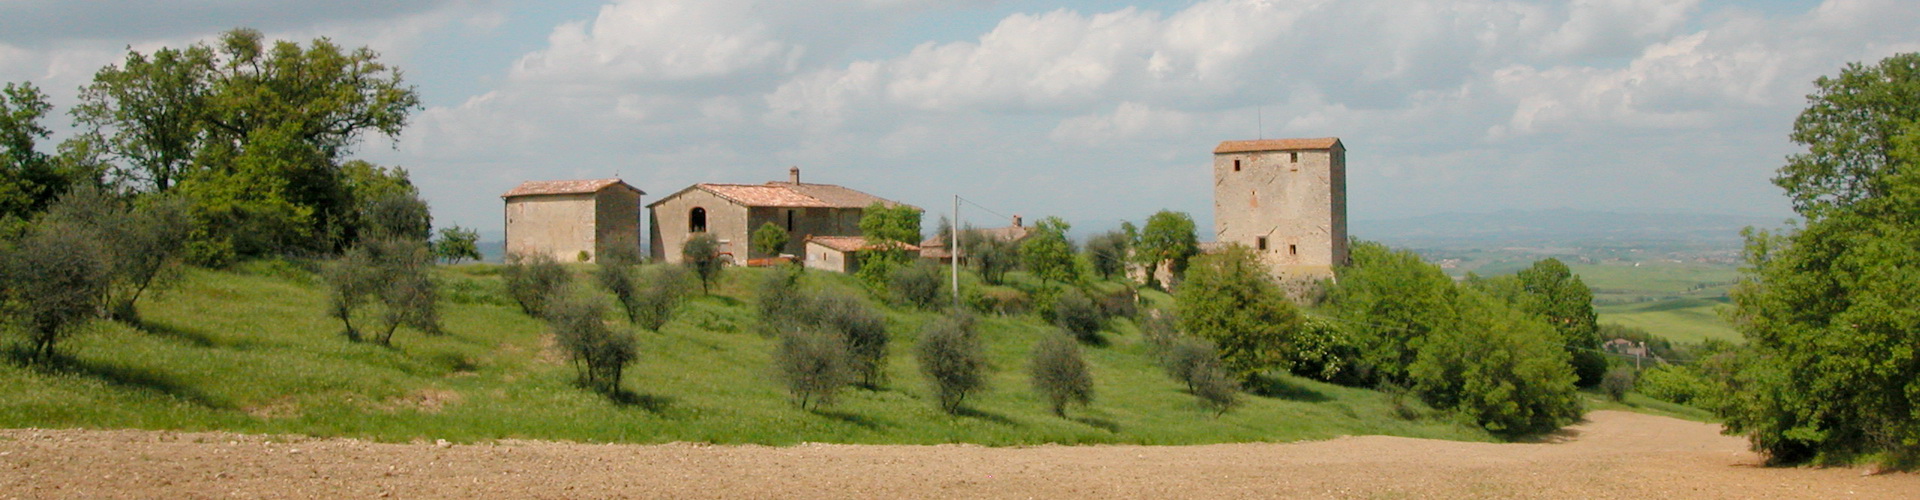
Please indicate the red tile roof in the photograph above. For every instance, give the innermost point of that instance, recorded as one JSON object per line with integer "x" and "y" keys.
{"x": 1277, "y": 145}
{"x": 537, "y": 188}
{"x": 852, "y": 243}
{"x": 790, "y": 195}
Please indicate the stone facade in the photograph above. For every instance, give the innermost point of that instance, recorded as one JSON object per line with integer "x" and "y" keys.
{"x": 1287, "y": 200}
{"x": 732, "y": 211}
{"x": 570, "y": 219}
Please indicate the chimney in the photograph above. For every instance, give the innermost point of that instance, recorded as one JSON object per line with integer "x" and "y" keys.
{"x": 1016, "y": 221}
{"x": 793, "y": 175}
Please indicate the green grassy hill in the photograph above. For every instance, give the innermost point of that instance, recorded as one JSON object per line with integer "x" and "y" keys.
{"x": 251, "y": 351}
{"x": 1678, "y": 301}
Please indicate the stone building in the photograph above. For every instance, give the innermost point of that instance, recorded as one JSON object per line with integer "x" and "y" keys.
{"x": 1287, "y": 200}
{"x": 572, "y": 221}
{"x": 841, "y": 254}
{"x": 732, "y": 211}
{"x": 935, "y": 247}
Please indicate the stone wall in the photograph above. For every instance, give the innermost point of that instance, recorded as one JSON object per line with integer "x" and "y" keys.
{"x": 801, "y": 223}
{"x": 561, "y": 226}
{"x": 617, "y": 221}
{"x": 669, "y": 222}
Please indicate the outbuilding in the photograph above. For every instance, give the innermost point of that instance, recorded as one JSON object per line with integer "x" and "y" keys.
{"x": 573, "y": 220}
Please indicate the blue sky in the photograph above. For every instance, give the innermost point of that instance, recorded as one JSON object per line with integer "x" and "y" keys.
{"x": 1092, "y": 111}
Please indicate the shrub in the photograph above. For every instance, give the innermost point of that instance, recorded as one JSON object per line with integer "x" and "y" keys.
{"x": 1074, "y": 312}
{"x": 1120, "y": 303}
{"x": 1228, "y": 300}
{"x": 1059, "y": 374}
{"x": 701, "y": 254}
{"x": 664, "y": 288}
{"x": 862, "y": 330}
{"x": 953, "y": 361}
{"x": 1676, "y": 384}
{"x": 140, "y": 243}
{"x": 389, "y": 273}
{"x": 1617, "y": 383}
{"x": 615, "y": 273}
{"x": 455, "y": 244}
{"x": 814, "y": 364}
{"x": 921, "y": 285}
{"x": 1500, "y": 367}
{"x": 1160, "y": 329}
{"x": 990, "y": 256}
{"x": 1186, "y": 357}
{"x": 1217, "y": 390}
{"x": 51, "y": 283}
{"x": 769, "y": 239}
{"x": 779, "y": 300}
{"x": 600, "y": 354}
{"x": 1108, "y": 253}
{"x": 531, "y": 279}
{"x": 999, "y": 300}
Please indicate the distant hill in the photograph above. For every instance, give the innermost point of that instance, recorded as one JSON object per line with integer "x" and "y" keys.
{"x": 1560, "y": 227}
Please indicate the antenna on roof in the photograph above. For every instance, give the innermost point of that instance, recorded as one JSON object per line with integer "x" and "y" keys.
{"x": 1260, "y": 117}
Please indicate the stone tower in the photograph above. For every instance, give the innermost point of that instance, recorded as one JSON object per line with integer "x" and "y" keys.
{"x": 1286, "y": 199}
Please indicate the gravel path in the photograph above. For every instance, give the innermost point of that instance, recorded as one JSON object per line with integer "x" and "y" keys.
{"x": 1612, "y": 455}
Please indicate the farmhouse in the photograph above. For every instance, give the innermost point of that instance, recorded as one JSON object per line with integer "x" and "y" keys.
{"x": 574, "y": 220}
{"x": 730, "y": 212}
{"x": 935, "y": 247}
{"x": 1287, "y": 200}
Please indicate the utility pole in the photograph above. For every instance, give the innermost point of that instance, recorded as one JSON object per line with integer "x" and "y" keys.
{"x": 953, "y": 251}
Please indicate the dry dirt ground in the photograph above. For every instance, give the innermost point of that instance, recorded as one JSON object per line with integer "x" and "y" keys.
{"x": 1612, "y": 455}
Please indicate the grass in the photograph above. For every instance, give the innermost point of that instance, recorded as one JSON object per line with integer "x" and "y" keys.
{"x": 251, "y": 351}
{"x": 1687, "y": 320}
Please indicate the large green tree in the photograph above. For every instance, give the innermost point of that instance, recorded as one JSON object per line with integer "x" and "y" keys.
{"x": 1829, "y": 313}
{"x": 1168, "y": 239}
{"x": 29, "y": 180}
{"x": 1550, "y": 290}
{"x": 256, "y": 133}
{"x": 1391, "y": 302}
{"x": 1047, "y": 253}
{"x": 889, "y": 230}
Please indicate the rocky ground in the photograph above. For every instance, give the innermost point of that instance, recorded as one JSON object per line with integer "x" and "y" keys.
{"x": 1612, "y": 455}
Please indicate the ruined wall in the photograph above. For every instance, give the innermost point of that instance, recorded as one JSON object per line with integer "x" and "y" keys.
{"x": 617, "y": 221}
{"x": 560, "y": 226}
{"x": 1288, "y": 206}
{"x": 669, "y": 221}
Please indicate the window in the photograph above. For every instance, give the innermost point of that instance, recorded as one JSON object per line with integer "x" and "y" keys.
{"x": 789, "y": 221}
{"x": 1236, "y": 165}
{"x": 1260, "y": 243}
{"x": 697, "y": 220}
{"x": 1293, "y": 157}
{"x": 1293, "y": 250}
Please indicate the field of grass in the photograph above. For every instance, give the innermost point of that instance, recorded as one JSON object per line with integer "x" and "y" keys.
{"x": 251, "y": 351}
{"x": 1678, "y": 301}
{"x": 1687, "y": 320}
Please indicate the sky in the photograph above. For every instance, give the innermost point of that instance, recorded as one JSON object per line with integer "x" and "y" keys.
{"x": 1092, "y": 111}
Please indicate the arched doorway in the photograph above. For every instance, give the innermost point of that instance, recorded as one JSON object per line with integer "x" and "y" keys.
{"x": 697, "y": 220}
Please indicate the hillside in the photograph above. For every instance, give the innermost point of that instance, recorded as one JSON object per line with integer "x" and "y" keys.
{"x": 251, "y": 351}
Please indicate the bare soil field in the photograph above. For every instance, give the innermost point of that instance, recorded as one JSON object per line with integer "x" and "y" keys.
{"x": 1612, "y": 455}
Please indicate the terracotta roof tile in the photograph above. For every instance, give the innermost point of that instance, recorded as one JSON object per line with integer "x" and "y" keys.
{"x": 852, "y": 243}
{"x": 1277, "y": 145}
{"x": 786, "y": 194}
{"x": 536, "y": 188}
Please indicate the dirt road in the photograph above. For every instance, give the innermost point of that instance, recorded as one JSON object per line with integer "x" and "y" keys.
{"x": 1613, "y": 455}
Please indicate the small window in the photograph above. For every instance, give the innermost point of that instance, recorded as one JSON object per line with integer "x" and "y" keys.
{"x": 789, "y": 221}
{"x": 1293, "y": 157}
{"x": 1260, "y": 243}
{"x": 697, "y": 220}
{"x": 1293, "y": 250}
{"x": 1236, "y": 165}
